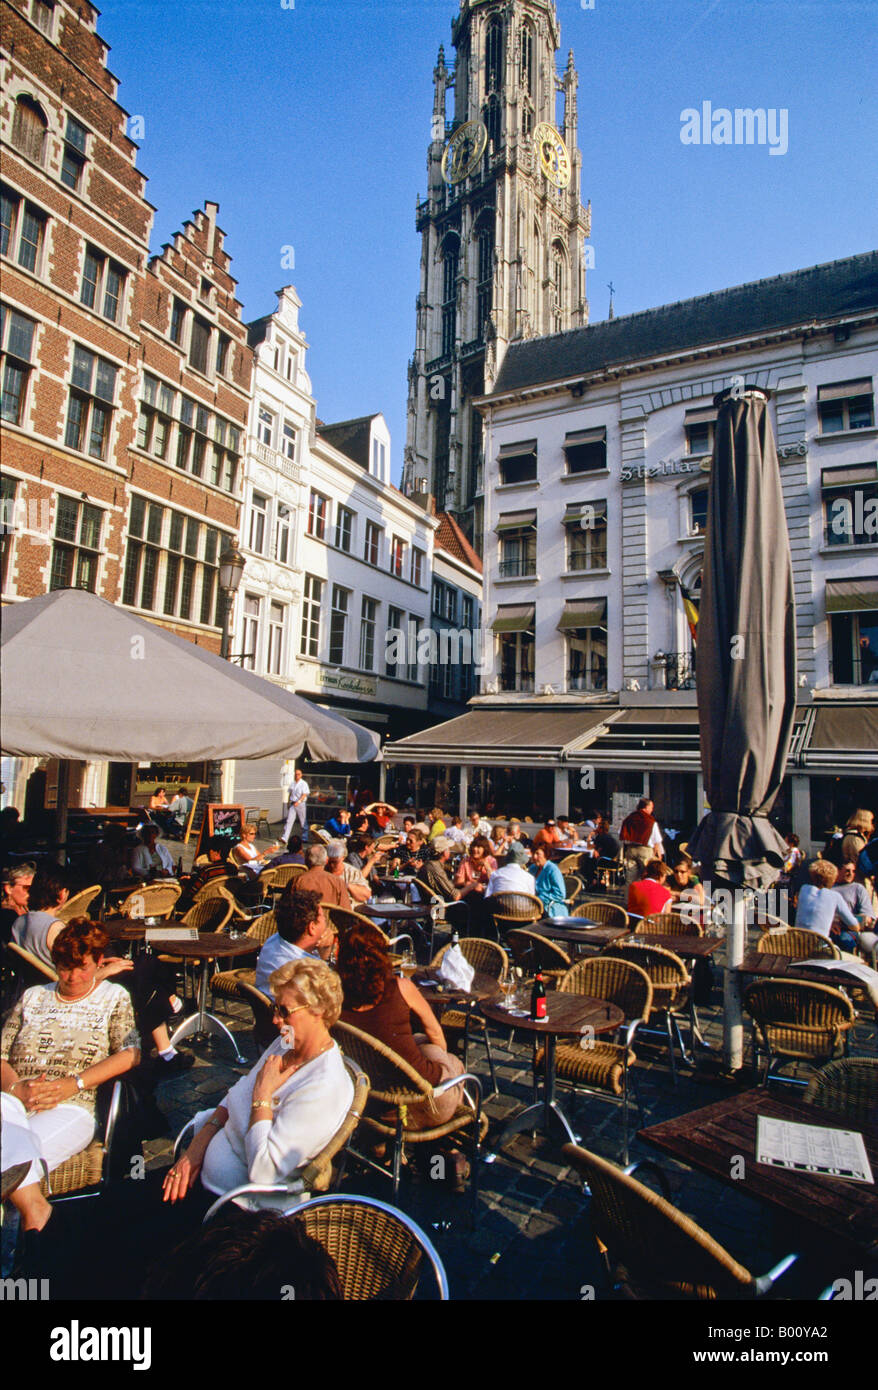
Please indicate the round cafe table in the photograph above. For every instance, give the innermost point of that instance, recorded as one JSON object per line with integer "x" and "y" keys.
{"x": 209, "y": 946}
{"x": 401, "y": 913}
{"x": 566, "y": 1016}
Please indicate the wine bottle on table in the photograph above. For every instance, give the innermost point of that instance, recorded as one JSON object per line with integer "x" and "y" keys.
{"x": 538, "y": 1005}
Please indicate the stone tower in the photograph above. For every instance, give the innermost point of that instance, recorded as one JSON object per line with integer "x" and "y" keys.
{"x": 502, "y": 231}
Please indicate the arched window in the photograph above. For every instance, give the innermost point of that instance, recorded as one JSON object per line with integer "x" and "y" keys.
{"x": 527, "y": 61}
{"x": 485, "y": 282}
{"x": 527, "y": 119}
{"x": 29, "y": 129}
{"x": 491, "y": 117}
{"x": 449, "y": 297}
{"x": 494, "y": 57}
{"x": 559, "y": 282}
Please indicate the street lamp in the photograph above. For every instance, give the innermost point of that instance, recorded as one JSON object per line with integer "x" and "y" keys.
{"x": 231, "y": 572}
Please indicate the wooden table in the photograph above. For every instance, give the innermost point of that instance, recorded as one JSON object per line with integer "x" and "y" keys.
{"x": 566, "y": 1015}
{"x": 563, "y": 929}
{"x": 402, "y": 912}
{"x": 483, "y": 986}
{"x": 690, "y": 947}
{"x": 209, "y": 946}
{"x": 764, "y": 963}
{"x": 826, "y": 1210}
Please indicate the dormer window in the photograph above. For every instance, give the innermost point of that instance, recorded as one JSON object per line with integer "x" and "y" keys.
{"x": 29, "y": 130}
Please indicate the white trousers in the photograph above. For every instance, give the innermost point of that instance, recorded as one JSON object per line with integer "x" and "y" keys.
{"x": 49, "y": 1136}
{"x": 298, "y": 813}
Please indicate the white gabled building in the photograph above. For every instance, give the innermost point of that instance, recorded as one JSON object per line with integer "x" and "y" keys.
{"x": 335, "y": 556}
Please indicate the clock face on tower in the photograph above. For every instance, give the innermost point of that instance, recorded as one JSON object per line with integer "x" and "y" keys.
{"x": 552, "y": 154}
{"x": 463, "y": 151}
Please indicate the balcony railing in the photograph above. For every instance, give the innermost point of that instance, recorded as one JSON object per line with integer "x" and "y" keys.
{"x": 523, "y": 684}
{"x": 518, "y": 569}
{"x": 673, "y": 671}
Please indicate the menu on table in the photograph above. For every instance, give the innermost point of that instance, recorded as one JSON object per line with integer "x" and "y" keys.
{"x": 171, "y": 934}
{"x": 836, "y": 1153}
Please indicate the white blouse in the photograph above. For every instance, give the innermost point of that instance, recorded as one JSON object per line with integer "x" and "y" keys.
{"x": 308, "y": 1109}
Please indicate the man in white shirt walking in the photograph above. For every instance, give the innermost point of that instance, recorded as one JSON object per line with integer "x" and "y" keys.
{"x": 299, "y": 793}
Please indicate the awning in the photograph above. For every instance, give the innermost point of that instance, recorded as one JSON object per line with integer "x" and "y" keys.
{"x": 584, "y": 612}
{"x": 849, "y": 477}
{"x": 510, "y": 737}
{"x": 515, "y": 617}
{"x": 843, "y": 738}
{"x": 851, "y": 595}
{"x": 654, "y": 738}
{"x": 843, "y": 389}
{"x": 515, "y": 451}
{"x": 595, "y": 436}
{"x": 597, "y": 511}
{"x": 704, "y": 415}
{"x": 516, "y": 521}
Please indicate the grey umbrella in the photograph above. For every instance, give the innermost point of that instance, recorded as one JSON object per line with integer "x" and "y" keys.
{"x": 746, "y": 664}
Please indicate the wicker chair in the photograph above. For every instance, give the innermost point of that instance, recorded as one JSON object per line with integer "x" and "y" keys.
{"x": 227, "y": 982}
{"x": 514, "y": 909}
{"x": 321, "y": 1173}
{"x": 608, "y": 914}
{"x": 343, "y": 918}
{"x": 667, "y": 924}
{"x": 78, "y": 905}
{"x": 264, "y": 1031}
{"x": 532, "y": 952}
{"x": 848, "y": 1087}
{"x": 152, "y": 900}
{"x": 797, "y": 1021}
{"x": 396, "y": 1086}
{"x": 569, "y": 864}
{"x": 284, "y": 874}
{"x": 573, "y": 887}
{"x": 490, "y": 959}
{"x": 210, "y": 914}
{"x": 86, "y": 1173}
{"x": 318, "y": 836}
{"x": 798, "y": 944}
{"x": 604, "y": 1067}
{"x": 28, "y": 968}
{"x": 651, "y": 1248}
{"x": 671, "y": 984}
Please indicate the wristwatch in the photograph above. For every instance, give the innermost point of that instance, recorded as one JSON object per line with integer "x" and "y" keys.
{"x": 80, "y": 1084}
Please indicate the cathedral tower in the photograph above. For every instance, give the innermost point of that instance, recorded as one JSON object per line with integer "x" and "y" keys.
{"x": 502, "y": 231}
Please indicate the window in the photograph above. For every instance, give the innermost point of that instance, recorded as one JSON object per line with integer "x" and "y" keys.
{"x": 338, "y": 621}
{"x": 29, "y": 129}
{"x": 585, "y": 451}
{"x": 265, "y": 427}
{"x": 373, "y": 543}
{"x": 527, "y": 119}
{"x": 103, "y": 284}
{"x": 211, "y": 614}
{"x": 854, "y": 641}
{"x": 178, "y": 321}
{"x": 223, "y": 470}
{"x": 142, "y": 554}
{"x": 527, "y": 60}
{"x": 698, "y": 511}
{"x": 42, "y": 12}
{"x": 76, "y": 547}
{"x": 183, "y": 457}
{"x": 586, "y": 526}
{"x": 491, "y": 118}
{"x": 258, "y": 518}
{"x": 90, "y": 403}
{"x": 368, "y": 615}
{"x": 518, "y": 545}
{"x": 449, "y": 298}
{"x": 8, "y": 487}
{"x": 276, "y": 623}
{"x": 395, "y": 665}
{"x": 379, "y": 451}
{"x": 485, "y": 284}
{"x": 344, "y": 521}
{"x": 156, "y": 410}
{"x": 289, "y": 440}
{"x": 199, "y": 347}
{"x": 846, "y": 406}
{"x": 223, "y": 346}
{"x": 16, "y": 343}
{"x": 311, "y": 615}
{"x": 467, "y": 613}
{"x": 397, "y": 557}
{"x": 584, "y": 626}
{"x": 278, "y": 358}
{"x": 73, "y": 158}
{"x": 23, "y": 231}
{"x": 171, "y": 560}
{"x": 517, "y": 661}
{"x": 181, "y": 569}
{"x": 282, "y": 534}
{"x": 518, "y": 462}
{"x": 559, "y": 285}
{"x": 318, "y": 508}
{"x": 850, "y": 504}
{"x": 250, "y": 631}
{"x": 418, "y": 558}
{"x": 449, "y": 604}
{"x": 438, "y": 588}
{"x": 412, "y": 646}
{"x": 700, "y": 426}
{"x": 494, "y": 57}
{"x": 291, "y": 364}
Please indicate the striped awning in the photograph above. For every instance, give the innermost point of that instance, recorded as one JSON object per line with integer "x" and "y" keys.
{"x": 583, "y": 612}
{"x": 851, "y": 595}
{"x": 515, "y": 617}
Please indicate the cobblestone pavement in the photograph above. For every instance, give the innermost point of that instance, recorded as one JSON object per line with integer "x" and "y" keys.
{"x": 531, "y": 1237}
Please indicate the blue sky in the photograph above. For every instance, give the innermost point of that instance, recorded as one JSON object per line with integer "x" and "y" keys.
{"x": 310, "y": 125}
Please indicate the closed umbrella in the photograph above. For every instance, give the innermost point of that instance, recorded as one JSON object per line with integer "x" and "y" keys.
{"x": 746, "y": 668}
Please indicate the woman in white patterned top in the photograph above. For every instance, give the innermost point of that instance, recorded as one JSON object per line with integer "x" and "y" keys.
{"x": 60, "y": 1042}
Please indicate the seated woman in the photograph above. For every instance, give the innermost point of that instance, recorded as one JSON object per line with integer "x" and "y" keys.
{"x": 475, "y": 868}
{"x": 684, "y": 883}
{"x": 549, "y": 882}
{"x": 60, "y": 1042}
{"x": 286, "y": 1109}
{"x": 246, "y": 855}
{"x": 379, "y": 1004}
{"x": 649, "y": 894}
{"x": 37, "y": 928}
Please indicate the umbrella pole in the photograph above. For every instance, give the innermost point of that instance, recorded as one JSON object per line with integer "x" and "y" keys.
{"x": 63, "y": 796}
{"x": 733, "y": 1019}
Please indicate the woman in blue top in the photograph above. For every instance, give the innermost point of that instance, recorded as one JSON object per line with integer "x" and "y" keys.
{"x": 549, "y": 883}
{"x": 339, "y": 826}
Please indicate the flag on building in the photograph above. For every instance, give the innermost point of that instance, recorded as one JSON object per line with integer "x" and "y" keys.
{"x": 690, "y": 608}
